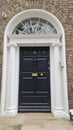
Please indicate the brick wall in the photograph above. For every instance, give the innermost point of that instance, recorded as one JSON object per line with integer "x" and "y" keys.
{"x": 62, "y": 9}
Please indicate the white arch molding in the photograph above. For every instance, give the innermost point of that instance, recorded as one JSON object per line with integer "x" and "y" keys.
{"x": 10, "y": 72}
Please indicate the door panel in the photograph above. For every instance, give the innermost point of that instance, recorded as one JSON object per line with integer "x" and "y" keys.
{"x": 34, "y": 82}
{"x": 28, "y": 84}
{"x": 41, "y": 82}
{"x": 28, "y": 65}
{"x": 42, "y": 64}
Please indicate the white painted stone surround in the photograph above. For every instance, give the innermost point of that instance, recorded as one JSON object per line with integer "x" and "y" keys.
{"x": 10, "y": 73}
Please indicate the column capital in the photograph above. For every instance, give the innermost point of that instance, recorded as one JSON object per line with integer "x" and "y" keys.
{"x": 12, "y": 45}
{"x": 56, "y": 44}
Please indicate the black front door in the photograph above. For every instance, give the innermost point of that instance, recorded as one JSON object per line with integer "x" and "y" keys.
{"x": 34, "y": 79}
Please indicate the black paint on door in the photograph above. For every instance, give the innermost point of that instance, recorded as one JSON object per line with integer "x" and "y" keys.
{"x": 34, "y": 79}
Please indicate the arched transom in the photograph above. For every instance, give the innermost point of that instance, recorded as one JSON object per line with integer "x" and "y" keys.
{"x": 34, "y": 26}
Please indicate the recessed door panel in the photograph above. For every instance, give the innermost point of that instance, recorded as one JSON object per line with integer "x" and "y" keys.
{"x": 28, "y": 65}
{"x": 41, "y": 83}
{"x": 27, "y": 82}
{"x": 42, "y": 64}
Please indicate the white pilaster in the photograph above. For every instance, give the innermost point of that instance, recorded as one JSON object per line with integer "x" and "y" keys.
{"x": 10, "y": 93}
{"x": 58, "y": 97}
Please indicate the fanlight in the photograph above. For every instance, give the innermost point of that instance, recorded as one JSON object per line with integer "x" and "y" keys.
{"x": 34, "y": 26}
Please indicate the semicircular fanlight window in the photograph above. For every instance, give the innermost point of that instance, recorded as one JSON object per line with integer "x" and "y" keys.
{"x": 34, "y": 26}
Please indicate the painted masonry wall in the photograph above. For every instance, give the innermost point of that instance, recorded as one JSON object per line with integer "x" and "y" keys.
{"x": 62, "y": 9}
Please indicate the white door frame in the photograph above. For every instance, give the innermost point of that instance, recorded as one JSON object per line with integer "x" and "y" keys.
{"x": 59, "y": 92}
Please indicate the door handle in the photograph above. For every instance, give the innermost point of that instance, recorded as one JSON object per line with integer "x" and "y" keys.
{"x": 34, "y": 61}
{"x": 41, "y": 74}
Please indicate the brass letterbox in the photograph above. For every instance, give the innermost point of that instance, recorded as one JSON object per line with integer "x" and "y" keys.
{"x": 34, "y": 74}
